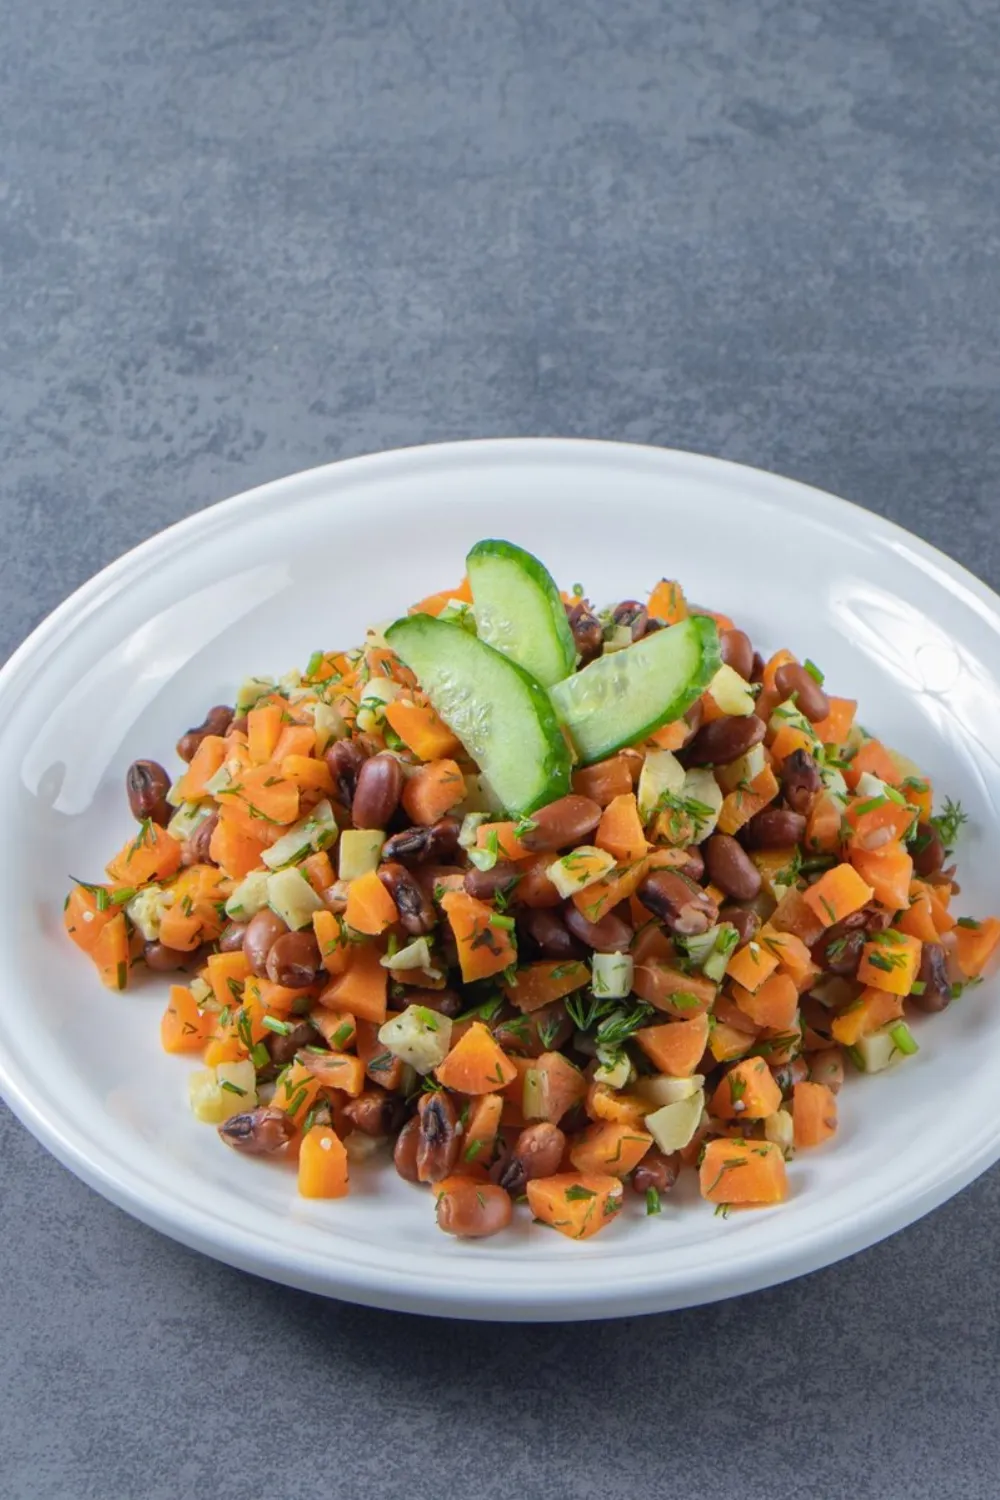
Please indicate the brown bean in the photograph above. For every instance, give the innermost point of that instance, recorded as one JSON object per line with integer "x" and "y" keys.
{"x": 416, "y": 911}
{"x": 197, "y": 850}
{"x": 724, "y": 740}
{"x": 810, "y": 698}
{"x": 827, "y": 1067}
{"x": 551, "y": 933}
{"x": 164, "y": 960}
{"x": 473, "y": 1210}
{"x": 656, "y": 1171}
{"x": 344, "y": 760}
{"x": 933, "y": 975}
{"x": 774, "y": 828}
{"x": 263, "y": 930}
{"x": 418, "y": 846}
{"x": 694, "y": 866}
{"x": 817, "y": 1016}
{"x": 537, "y": 1152}
{"x": 147, "y": 785}
{"x": 374, "y": 1112}
{"x": 838, "y": 951}
{"x": 446, "y": 1002}
{"x": 757, "y": 670}
{"x": 744, "y": 919}
{"x": 216, "y": 721}
{"x": 731, "y": 868}
{"x": 737, "y": 652}
{"x": 231, "y": 937}
{"x": 293, "y": 960}
{"x": 787, "y": 1075}
{"x": 377, "y": 794}
{"x": 612, "y": 934}
{"x": 404, "y": 1154}
{"x": 438, "y": 1147}
{"x": 484, "y": 884}
{"x": 633, "y": 614}
{"x": 588, "y": 635}
{"x": 801, "y": 782}
{"x": 258, "y": 1132}
{"x": 283, "y": 1047}
{"x": 928, "y": 850}
{"x": 681, "y": 905}
{"x": 562, "y": 823}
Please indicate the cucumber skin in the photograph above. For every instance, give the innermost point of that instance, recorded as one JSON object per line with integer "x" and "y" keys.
{"x": 707, "y": 632}
{"x": 555, "y": 769}
{"x": 494, "y": 548}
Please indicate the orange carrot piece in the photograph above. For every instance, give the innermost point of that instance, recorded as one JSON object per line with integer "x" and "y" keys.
{"x": 870, "y": 823}
{"x": 676, "y": 1047}
{"x": 111, "y": 953}
{"x": 432, "y": 791}
{"x": 370, "y": 908}
{"x": 604, "y": 781}
{"x": 774, "y": 1004}
{"x": 836, "y": 894}
{"x": 750, "y": 965}
{"x": 620, "y": 830}
{"x": 207, "y": 759}
{"x": 872, "y": 1009}
{"x": 334, "y": 945}
{"x": 595, "y": 901}
{"x": 362, "y": 988}
{"x": 421, "y": 730}
{"x": 539, "y": 984}
{"x": 670, "y": 990}
{"x": 671, "y": 736}
{"x": 888, "y": 871}
{"x": 534, "y": 888}
{"x": 788, "y": 739}
{"x": 481, "y": 1130}
{"x": 237, "y": 848}
{"x": 226, "y": 973}
{"x": 747, "y": 1092}
{"x": 552, "y": 1085}
{"x": 814, "y": 1114}
{"x": 578, "y": 1204}
{"x": 890, "y": 961}
{"x": 153, "y": 854}
{"x": 261, "y": 795}
{"x": 743, "y": 1172}
{"x": 296, "y": 1091}
{"x": 508, "y": 845}
{"x": 727, "y": 1042}
{"x": 307, "y": 773}
{"x": 604, "y": 1103}
{"x": 88, "y": 910}
{"x": 740, "y": 806}
{"x": 476, "y": 1065}
{"x": 605, "y": 1147}
{"x": 180, "y": 929}
{"x": 834, "y": 729}
{"x": 823, "y": 825}
{"x": 435, "y": 603}
{"x": 323, "y": 1165}
{"x": 975, "y": 946}
{"x": 874, "y": 758}
{"x": 918, "y": 918}
{"x": 483, "y": 947}
{"x": 338, "y": 1028}
{"x": 780, "y": 659}
{"x": 667, "y": 603}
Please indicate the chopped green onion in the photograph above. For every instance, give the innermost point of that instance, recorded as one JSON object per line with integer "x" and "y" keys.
{"x": 903, "y": 1039}
{"x": 652, "y": 1201}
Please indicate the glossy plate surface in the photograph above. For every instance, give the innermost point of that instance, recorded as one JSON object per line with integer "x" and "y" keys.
{"x": 254, "y": 586}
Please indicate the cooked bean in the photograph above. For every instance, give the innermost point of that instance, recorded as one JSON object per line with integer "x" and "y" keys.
{"x": 656, "y": 1171}
{"x": 484, "y": 884}
{"x": 537, "y": 1152}
{"x": 446, "y": 1002}
{"x": 809, "y": 696}
{"x": 375, "y": 1113}
{"x": 730, "y": 867}
{"x": 757, "y": 670}
{"x": 724, "y": 740}
{"x": 404, "y": 1154}
{"x": 933, "y": 975}
{"x": 231, "y": 937}
{"x": 562, "y": 824}
{"x": 197, "y": 850}
{"x": 439, "y": 1140}
{"x": 293, "y": 960}
{"x": 551, "y": 933}
{"x": 787, "y": 1075}
{"x": 217, "y": 721}
{"x": 377, "y": 794}
{"x": 774, "y": 828}
{"x": 473, "y": 1210}
{"x": 258, "y": 1132}
{"x": 801, "y": 782}
{"x": 164, "y": 960}
{"x": 928, "y": 850}
{"x": 612, "y": 934}
{"x": 416, "y": 911}
{"x": 694, "y": 866}
{"x": 817, "y": 1016}
{"x": 587, "y": 632}
{"x": 737, "y": 652}
{"x": 344, "y": 760}
{"x": 263, "y": 930}
{"x": 633, "y": 614}
{"x": 681, "y": 905}
{"x": 838, "y": 951}
{"x": 744, "y": 919}
{"x": 282, "y": 1048}
{"x": 827, "y": 1067}
{"x": 147, "y": 785}
{"x": 417, "y": 846}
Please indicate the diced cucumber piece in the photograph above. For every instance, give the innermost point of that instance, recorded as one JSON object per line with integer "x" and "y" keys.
{"x": 251, "y": 690}
{"x": 519, "y": 611}
{"x": 726, "y": 939}
{"x": 292, "y": 898}
{"x": 673, "y": 1126}
{"x": 501, "y": 714}
{"x": 249, "y": 897}
{"x": 621, "y": 699}
{"x": 187, "y": 818}
{"x": 612, "y": 975}
{"x": 662, "y": 1089}
{"x": 616, "y": 1072}
{"x": 582, "y": 867}
{"x": 471, "y": 824}
{"x": 880, "y": 1049}
{"x": 742, "y": 771}
{"x": 416, "y": 955}
{"x": 360, "y": 851}
{"x": 421, "y": 1037}
{"x": 779, "y": 1129}
{"x": 732, "y": 692}
{"x": 661, "y": 772}
{"x": 317, "y": 831}
{"x": 223, "y": 778}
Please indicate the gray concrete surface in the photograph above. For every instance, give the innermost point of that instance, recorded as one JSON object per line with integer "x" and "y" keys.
{"x": 238, "y": 239}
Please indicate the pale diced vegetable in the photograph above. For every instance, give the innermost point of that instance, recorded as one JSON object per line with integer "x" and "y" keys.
{"x": 732, "y": 693}
{"x": 616, "y": 1072}
{"x": 292, "y": 898}
{"x": 662, "y": 1089}
{"x": 701, "y": 797}
{"x": 416, "y": 955}
{"x": 249, "y": 896}
{"x": 420, "y": 1037}
{"x": 218, "y": 1093}
{"x": 145, "y": 911}
{"x": 317, "y": 831}
{"x": 743, "y": 770}
{"x": 360, "y": 851}
{"x": 251, "y": 690}
{"x": 575, "y": 871}
{"x": 612, "y": 975}
{"x": 780, "y": 1129}
{"x": 662, "y": 773}
{"x": 188, "y": 817}
{"x": 673, "y": 1126}
{"x": 879, "y": 1050}
{"x": 329, "y": 725}
{"x": 471, "y": 824}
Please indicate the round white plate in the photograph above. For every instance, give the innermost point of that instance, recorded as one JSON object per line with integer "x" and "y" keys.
{"x": 255, "y": 585}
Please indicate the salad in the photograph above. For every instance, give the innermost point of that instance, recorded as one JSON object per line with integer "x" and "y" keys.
{"x": 543, "y": 903}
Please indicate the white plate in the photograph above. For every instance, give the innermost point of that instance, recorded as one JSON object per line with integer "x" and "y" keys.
{"x": 255, "y": 585}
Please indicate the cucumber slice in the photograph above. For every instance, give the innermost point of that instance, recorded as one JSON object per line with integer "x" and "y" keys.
{"x": 519, "y": 611}
{"x": 619, "y": 699}
{"x": 500, "y": 713}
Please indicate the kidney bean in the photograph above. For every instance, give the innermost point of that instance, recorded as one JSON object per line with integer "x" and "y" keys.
{"x": 404, "y": 1154}
{"x": 928, "y": 850}
{"x": 216, "y": 721}
{"x": 374, "y": 1112}
{"x": 416, "y": 911}
{"x": 548, "y": 929}
{"x": 744, "y": 919}
{"x": 656, "y": 1171}
{"x": 473, "y": 1210}
{"x": 439, "y": 1140}
{"x": 730, "y": 867}
{"x": 933, "y": 974}
{"x": 724, "y": 740}
{"x": 484, "y": 884}
{"x": 231, "y": 937}
{"x": 838, "y": 951}
{"x": 416, "y": 846}
{"x": 774, "y": 828}
{"x": 801, "y": 782}
{"x": 283, "y": 1049}
{"x": 344, "y": 760}
{"x": 827, "y": 1067}
{"x": 197, "y": 850}
{"x": 787, "y": 1075}
{"x": 562, "y": 824}
{"x": 809, "y": 696}
{"x": 263, "y": 930}
{"x": 147, "y": 785}
{"x": 757, "y": 670}
{"x": 164, "y": 960}
{"x": 377, "y": 794}
{"x": 694, "y": 866}
{"x": 816, "y": 1015}
{"x": 446, "y": 1002}
{"x": 293, "y": 960}
{"x": 633, "y": 614}
{"x": 259, "y": 1132}
{"x": 537, "y": 1152}
{"x": 612, "y": 934}
{"x": 588, "y": 635}
{"x": 737, "y": 652}
{"x": 681, "y": 905}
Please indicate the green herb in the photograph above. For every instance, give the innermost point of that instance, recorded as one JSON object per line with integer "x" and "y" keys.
{"x": 486, "y": 858}
{"x": 814, "y": 671}
{"x": 231, "y": 1088}
{"x": 382, "y": 1063}
{"x": 392, "y": 739}
{"x": 830, "y": 910}
{"x": 737, "y": 1087}
{"x": 314, "y": 663}
{"x": 510, "y": 975}
{"x": 578, "y": 1192}
{"x": 101, "y": 898}
{"x": 903, "y": 1039}
{"x": 681, "y": 811}
{"x": 722, "y": 1210}
{"x": 472, "y": 1150}
{"x": 886, "y": 961}
{"x": 235, "y": 988}
{"x": 484, "y": 1012}
{"x": 958, "y": 989}
{"x": 507, "y": 923}
{"x": 615, "y": 1029}
{"x": 342, "y": 1035}
{"x": 121, "y": 974}
{"x": 790, "y": 873}
{"x": 243, "y": 1028}
{"x": 684, "y": 1000}
{"x": 727, "y": 1166}
{"x": 283, "y": 1028}
{"x": 548, "y": 1031}
{"x": 949, "y": 821}
{"x": 523, "y": 826}
{"x": 869, "y": 805}
{"x": 259, "y": 1056}
{"x": 585, "y": 1010}
{"x": 917, "y": 987}
{"x": 970, "y": 923}
{"x": 652, "y": 1201}
{"x": 817, "y": 863}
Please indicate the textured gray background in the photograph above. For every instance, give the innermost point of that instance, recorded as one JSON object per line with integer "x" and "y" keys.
{"x": 240, "y": 238}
